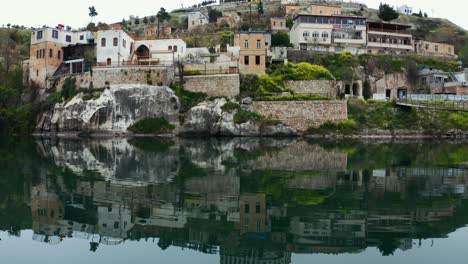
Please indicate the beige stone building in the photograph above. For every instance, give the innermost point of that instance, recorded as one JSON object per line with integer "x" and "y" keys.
{"x": 152, "y": 32}
{"x": 253, "y": 51}
{"x": 278, "y": 24}
{"x": 196, "y": 19}
{"x": 323, "y": 10}
{"x": 434, "y": 49}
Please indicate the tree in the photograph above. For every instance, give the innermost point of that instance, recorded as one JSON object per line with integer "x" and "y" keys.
{"x": 463, "y": 56}
{"x": 92, "y": 12}
{"x": 152, "y": 19}
{"x": 280, "y": 39}
{"x": 289, "y": 23}
{"x": 260, "y": 8}
{"x": 161, "y": 17}
{"x": 145, "y": 20}
{"x": 367, "y": 91}
{"x": 387, "y": 13}
{"x": 137, "y": 21}
{"x": 213, "y": 15}
{"x": 425, "y": 15}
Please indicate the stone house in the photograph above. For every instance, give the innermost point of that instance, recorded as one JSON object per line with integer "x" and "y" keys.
{"x": 152, "y": 31}
{"x": 196, "y": 19}
{"x": 278, "y": 24}
{"x": 323, "y": 10}
{"x": 434, "y": 49}
{"x": 47, "y": 54}
{"x": 253, "y": 53}
{"x": 114, "y": 47}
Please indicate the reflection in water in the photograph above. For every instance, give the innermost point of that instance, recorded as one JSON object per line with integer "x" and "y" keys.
{"x": 245, "y": 199}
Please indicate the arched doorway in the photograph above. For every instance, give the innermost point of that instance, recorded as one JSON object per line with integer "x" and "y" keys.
{"x": 142, "y": 52}
{"x": 356, "y": 89}
{"x": 109, "y": 61}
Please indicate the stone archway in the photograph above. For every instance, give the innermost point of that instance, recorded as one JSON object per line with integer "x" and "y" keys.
{"x": 142, "y": 52}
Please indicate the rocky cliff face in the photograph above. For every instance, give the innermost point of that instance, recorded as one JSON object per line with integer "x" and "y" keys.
{"x": 114, "y": 111}
{"x": 208, "y": 118}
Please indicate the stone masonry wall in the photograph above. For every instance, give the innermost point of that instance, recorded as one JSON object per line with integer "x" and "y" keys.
{"x": 317, "y": 87}
{"x": 103, "y": 77}
{"x": 303, "y": 114}
{"x": 223, "y": 85}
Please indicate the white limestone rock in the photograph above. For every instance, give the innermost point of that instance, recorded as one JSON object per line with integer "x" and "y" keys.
{"x": 114, "y": 111}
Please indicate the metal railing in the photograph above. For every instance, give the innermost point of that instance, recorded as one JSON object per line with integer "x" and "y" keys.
{"x": 447, "y": 102}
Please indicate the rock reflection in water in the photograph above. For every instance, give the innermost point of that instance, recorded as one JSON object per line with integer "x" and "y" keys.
{"x": 256, "y": 199}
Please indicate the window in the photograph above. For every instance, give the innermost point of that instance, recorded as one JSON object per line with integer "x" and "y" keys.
{"x": 316, "y": 34}
{"x": 436, "y": 47}
{"x": 103, "y": 42}
{"x": 259, "y": 44}
{"x": 124, "y": 43}
{"x": 68, "y": 38}
{"x": 116, "y": 225}
{"x": 257, "y": 208}
{"x": 274, "y": 23}
{"x": 257, "y": 60}
{"x": 324, "y": 34}
{"x": 246, "y": 60}
{"x": 37, "y": 54}
{"x": 281, "y": 24}
{"x": 427, "y": 46}
{"x": 247, "y": 208}
{"x": 169, "y": 48}
{"x": 55, "y": 34}
{"x": 81, "y": 37}
{"x": 246, "y": 44}
{"x": 59, "y": 54}
{"x": 43, "y": 53}
{"x": 193, "y": 23}
{"x": 51, "y": 54}
{"x": 306, "y": 34}
{"x": 116, "y": 42}
{"x": 450, "y": 50}
{"x": 39, "y": 35}
{"x": 174, "y": 48}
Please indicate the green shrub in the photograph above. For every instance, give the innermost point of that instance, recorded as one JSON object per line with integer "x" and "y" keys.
{"x": 459, "y": 120}
{"x": 151, "y": 126}
{"x": 188, "y": 99}
{"x": 299, "y": 97}
{"x": 242, "y": 117}
{"x": 230, "y": 106}
{"x": 344, "y": 127}
{"x": 69, "y": 89}
{"x": 192, "y": 72}
{"x": 302, "y": 71}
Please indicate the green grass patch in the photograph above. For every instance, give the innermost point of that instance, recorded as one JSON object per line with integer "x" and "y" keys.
{"x": 152, "y": 126}
{"x": 230, "y": 107}
{"x": 242, "y": 117}
{"x": 188, "y": 99}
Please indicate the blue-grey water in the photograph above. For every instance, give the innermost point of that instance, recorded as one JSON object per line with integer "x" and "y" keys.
{"x": 232, "y": 201}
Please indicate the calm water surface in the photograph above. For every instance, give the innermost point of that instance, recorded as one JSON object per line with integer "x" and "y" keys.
{"x": 232, "y": 201}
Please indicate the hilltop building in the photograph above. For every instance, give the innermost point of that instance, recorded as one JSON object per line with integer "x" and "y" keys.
{"x": 196, "y": 19}
{"x": 405, "y": 10}
{"x": 329, "y": 33}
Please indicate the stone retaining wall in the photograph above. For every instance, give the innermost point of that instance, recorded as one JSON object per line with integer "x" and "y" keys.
{"x": 103, "y": 77}
{"x": 222, "y": 85}
{"x": 317, "y": 87}
{"x": 303, "y": 114}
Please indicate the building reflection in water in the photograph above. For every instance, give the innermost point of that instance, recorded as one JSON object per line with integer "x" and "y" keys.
{"x": 224, "y": 198}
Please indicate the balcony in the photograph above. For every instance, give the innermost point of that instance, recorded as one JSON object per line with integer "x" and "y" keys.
{"x": 390, "y": 46}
